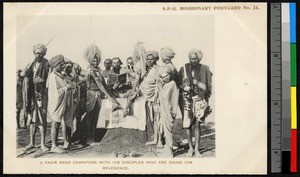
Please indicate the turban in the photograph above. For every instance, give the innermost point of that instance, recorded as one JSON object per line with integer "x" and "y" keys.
{"x": 56, "y": 60}
{"x": 164, "y": 70}
{"x": 91, "y": 52}
{"x": 40, "y": 47}
{"x": 154, "y": 53}
{"x": 167, "y": 53}
{"x": 197, "y": 52}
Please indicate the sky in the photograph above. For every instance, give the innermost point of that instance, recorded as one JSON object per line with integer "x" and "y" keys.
{"x": 115, "y": 35}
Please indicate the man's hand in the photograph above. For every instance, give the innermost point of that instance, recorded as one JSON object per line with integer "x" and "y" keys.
{"x": 113, "y": 100}
{"x": 156, "y": 107}
{"x": 72, "y": 85}
{"x": 117, "y": 84}
{"x": 195, "y": 81}
{"x": 38, "y": 80}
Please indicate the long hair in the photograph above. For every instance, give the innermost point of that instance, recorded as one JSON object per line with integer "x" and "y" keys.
{"x": 139, "y": 58}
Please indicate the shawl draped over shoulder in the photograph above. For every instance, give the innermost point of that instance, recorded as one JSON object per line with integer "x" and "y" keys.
{"x": 58, "y": 93}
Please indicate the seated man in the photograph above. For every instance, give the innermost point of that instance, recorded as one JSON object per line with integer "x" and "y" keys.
{"x": 119, "y": 87}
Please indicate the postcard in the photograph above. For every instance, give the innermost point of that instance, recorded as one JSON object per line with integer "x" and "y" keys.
{"x": 193, "y": 97}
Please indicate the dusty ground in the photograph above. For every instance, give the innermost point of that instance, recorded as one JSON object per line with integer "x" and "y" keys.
{"x": 120, "y": 140}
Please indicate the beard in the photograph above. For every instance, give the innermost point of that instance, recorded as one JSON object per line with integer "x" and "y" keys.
{"x": 117, "y": 68}
{"x": 38, "y": 59}
{"x": 195, "y": 64}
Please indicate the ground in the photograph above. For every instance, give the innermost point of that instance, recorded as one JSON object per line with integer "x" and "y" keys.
{"x": 120, "y": 141}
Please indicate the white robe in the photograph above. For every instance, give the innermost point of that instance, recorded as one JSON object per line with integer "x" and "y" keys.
{"x": 57, "y": 96}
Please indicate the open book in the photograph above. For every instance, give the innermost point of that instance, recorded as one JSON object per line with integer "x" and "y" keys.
{"x": 121, "y": 78}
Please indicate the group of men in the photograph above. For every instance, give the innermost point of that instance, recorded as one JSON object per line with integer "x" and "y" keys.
{"x": 76, "y": 100}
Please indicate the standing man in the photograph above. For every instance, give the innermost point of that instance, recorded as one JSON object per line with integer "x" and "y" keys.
{"x": 167, "y": 54}
{"x": 37, "y": 98}
{"x": 95, "y": 88}
{"x": 79, "y": 133}
{"x": 168, "y": 98}
{"x": 196, "y": 88}
{"x": 149, "y": 90}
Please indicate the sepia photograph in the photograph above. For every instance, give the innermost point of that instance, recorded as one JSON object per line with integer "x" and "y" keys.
{"x": 99, "y": 86}
{"x": 135, "y": 88}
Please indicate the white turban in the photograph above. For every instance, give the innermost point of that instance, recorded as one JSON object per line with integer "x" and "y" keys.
{"x": 164, "y": 70}
{"x": 91, "y": 52}
{"x": 197, "y": 52}
{"x": 40, "y": 47}
{"x": 167, "y": 53}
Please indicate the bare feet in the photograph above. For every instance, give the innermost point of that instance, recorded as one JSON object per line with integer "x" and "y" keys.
{"x": 190, "y": 153}
{"x": 57, "y": 150}
{"x": 169, "y": 152}
{"x": 30, "y": 146}
{"x": 66, "y": 145}
{"x": 198, "y": 154}
{"x": 151, "y": 142}
{"x": 125, "y": 112}
{"x": 93, "y": 144}
{"x": 160, "y": 145}
{"x": 44, "y": 148}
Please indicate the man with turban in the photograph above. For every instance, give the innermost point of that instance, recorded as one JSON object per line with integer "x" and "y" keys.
{"x": 96, "y": 86}
{"x": 167, "y": 54}
{"x": 72, "y": 101}
{"x": 37, "y": 96}
{"x": 80, "y": 110}
{"x": 149, "y": 91}
{"x": 195, "y": 88}
{"x": 168, "y": 98}
{"x": 58, "y": 98}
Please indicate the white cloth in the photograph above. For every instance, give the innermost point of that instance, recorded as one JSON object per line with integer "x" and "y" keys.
{"x": 107, "y": 119}
{"x": 57, "y": 96}
{"x": 148, "y": 86}
{"x": 35, "y": 68}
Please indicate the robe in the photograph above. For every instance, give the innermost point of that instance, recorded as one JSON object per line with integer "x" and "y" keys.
{"x": 199, "y": 80}
{"x": 58, "y": 95}
{"x": 36, "y": 95}
{"x": 168, "y": 109}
